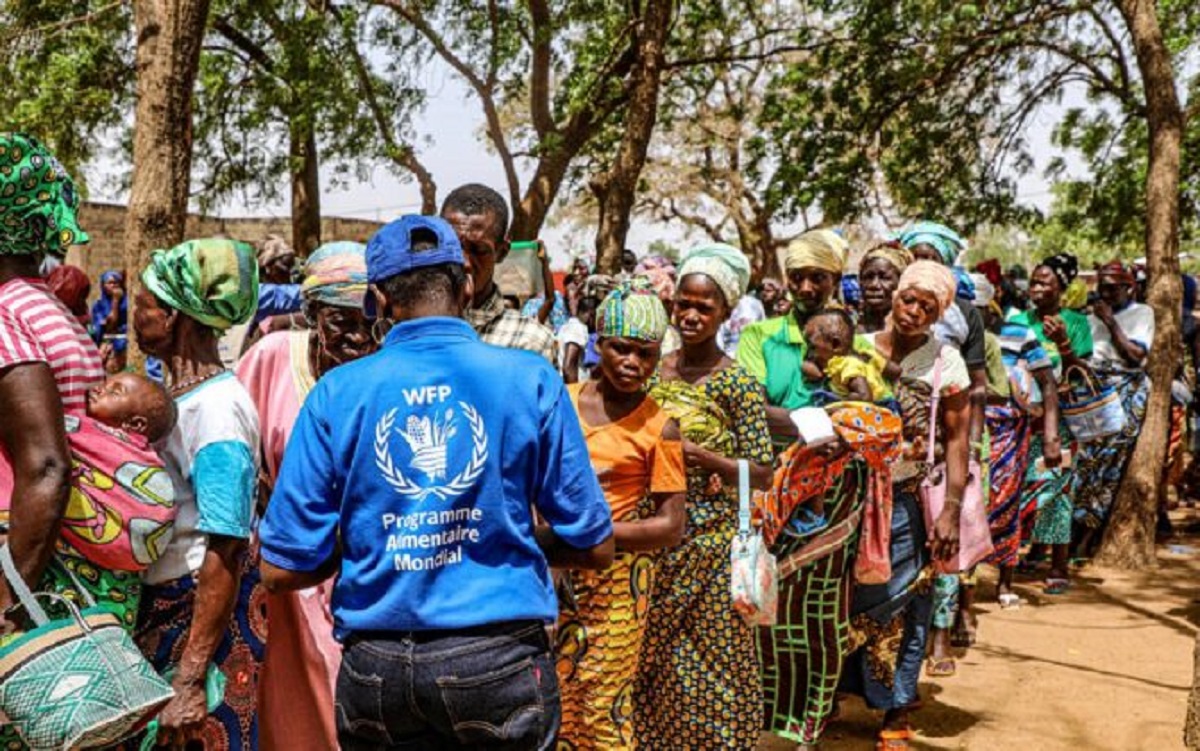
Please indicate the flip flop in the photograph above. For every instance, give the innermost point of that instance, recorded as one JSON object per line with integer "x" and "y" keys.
{"x": 1056, "y": 586}
{"x": 943, "y": 668}
{"x": 1009, "y": 601}
{"x": 894, "y": 740}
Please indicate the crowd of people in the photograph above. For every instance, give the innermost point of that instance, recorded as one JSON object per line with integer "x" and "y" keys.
{"x": 410, "y": 513}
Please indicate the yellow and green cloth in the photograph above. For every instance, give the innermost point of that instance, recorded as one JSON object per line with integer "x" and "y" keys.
{"x": 214, "y": 280}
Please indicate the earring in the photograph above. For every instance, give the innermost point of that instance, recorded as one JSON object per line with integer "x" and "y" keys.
{"x": 380, "y": 329}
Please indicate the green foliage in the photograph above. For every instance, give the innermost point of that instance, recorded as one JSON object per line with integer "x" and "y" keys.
{"x": 274, "y": 70}
{"x": 68, "y": 72}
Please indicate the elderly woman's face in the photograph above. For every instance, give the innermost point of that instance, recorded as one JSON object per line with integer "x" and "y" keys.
{"x": 152, "y": 323}
{"x": 1043, "y": 288}
{"x": 343, "y": 334}
{"x": 1115, "y": 290}
{"x": 914, "y": 311}
{"x": 879, "y": 280}
{"x": 811, "y": 288}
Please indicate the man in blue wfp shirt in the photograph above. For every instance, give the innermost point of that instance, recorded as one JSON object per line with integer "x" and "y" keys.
{"x": 414, "y": 474}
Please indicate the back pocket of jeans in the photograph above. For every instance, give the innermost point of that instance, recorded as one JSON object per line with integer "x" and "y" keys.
{"x": 358, "y": 704}
{"x": 504, "y": 704}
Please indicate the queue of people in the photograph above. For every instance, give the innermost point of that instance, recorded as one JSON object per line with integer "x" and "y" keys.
{"x": 412, "y": 517}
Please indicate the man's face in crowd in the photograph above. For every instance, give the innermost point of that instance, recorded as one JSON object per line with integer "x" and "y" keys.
{"x": 482, "y": 247}
{"x": 1115, "y": 290}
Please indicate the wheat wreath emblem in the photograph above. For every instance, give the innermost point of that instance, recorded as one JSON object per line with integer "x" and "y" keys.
{"x": 458, "y": 485}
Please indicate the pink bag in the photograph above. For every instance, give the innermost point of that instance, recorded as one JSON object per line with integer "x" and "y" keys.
{"x": 753, "y": 582}
{"x": 974, "y": 533}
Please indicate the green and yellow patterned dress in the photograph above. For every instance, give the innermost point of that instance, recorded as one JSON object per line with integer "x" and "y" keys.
{"x": 698, "y": 684}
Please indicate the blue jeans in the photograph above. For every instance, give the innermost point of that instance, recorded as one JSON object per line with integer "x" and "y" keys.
{"x": 491, "y": 687}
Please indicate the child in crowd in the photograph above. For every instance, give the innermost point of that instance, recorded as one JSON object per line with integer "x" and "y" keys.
{"x": 121, "y": 509}
{"x": 845, "y": 374}
{"x": 849, "y": 374}
{"x": 637, "y": 452}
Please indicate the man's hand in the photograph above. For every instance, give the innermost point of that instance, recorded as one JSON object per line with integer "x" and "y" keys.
{"x": 183, "y": 718}
{"x": 1101, "y": 310}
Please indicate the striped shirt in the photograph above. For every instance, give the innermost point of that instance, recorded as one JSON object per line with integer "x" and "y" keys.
{"x": 36, "y": 327}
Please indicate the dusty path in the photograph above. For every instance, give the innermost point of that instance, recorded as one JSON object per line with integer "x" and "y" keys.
{"x": 1106, "y": 666}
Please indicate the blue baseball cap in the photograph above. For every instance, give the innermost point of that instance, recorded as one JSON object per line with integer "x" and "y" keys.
{"x": 389, "y": 251}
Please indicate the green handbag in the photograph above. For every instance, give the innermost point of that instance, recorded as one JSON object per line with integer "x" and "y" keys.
{"x": 74, "y": 682}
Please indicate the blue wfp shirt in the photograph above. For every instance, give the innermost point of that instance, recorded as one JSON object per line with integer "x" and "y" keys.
{"x": 427, "y": 459}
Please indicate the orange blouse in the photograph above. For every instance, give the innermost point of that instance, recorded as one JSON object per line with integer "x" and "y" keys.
{"x": 631, "y": 458}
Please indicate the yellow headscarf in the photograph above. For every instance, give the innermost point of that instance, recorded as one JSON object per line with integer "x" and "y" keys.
{"x": 817, "y": 249}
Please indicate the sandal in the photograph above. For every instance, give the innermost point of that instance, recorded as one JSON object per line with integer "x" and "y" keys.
{"x": 943, "y": 668}
{"x": 963, "y": 635}
{"x": 1010, "y": 601}
{"x": 894, "y": 740}
{"x": 1056, "y": 586}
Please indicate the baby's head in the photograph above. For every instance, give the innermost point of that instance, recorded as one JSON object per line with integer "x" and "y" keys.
{"x": 829, "y": 333}
{"x": 134, "y": 404}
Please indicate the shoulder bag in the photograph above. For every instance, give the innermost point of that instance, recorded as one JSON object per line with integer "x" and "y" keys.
{"x": 753, "y": 584}
{"x": 974, "y": 533}
{"x": 75, "y": 682}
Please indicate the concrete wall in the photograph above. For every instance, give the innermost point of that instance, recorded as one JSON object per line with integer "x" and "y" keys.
{"x": 106, "y": 225}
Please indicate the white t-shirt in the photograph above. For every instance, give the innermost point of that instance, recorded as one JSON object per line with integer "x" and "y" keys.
{"x": 212, "y": 458}
{"x": 572, "y": 332}
{"x": 1137, "y": 321}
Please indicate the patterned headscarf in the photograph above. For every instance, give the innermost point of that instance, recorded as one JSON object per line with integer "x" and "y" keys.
{"x": 632, "y": 311}
{"x": 661, "y": 274}
{"x": 817, "y": 249}
{"x": 38, "y": 202}
{"x": 1065, "y": 266}
{"x": 214, "y": 281}
{"x": 941, "y": 238}
{"x": 336, "y": 274}
{"x": 892, "y": 252}
{"x": 727, "y": 266}
{"x": 273, "y": 247}
{"x": 930, "y": 277}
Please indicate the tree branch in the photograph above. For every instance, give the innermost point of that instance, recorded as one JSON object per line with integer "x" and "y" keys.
{"x": 539, "y": 76}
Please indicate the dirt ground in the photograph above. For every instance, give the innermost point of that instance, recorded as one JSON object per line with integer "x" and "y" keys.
{"x": 1106, "y": 666}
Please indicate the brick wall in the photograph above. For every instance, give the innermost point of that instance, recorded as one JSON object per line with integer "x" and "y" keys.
{"x": 106, "y": 224}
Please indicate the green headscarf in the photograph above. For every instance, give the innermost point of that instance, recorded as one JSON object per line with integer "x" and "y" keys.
{"x": 727, "y": 266}
{"x": 38, "y": 201}
{"x": 214, "y": 281}
{"x": 632, "y": 311}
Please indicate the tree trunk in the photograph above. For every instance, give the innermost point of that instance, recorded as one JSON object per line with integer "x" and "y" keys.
{"x": 616, "y": 189}
{"x": 306, "y": 187}
{"x": 169, "y": 36}
{"x": 1129, "y": 540}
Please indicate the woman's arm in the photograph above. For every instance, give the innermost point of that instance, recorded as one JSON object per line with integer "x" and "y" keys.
{"x": 32, "y": 432}
{"x": 216, "y": 594}
{"x": 956, "y": 417}
{"x": 1051, "y": 442}
{"x": 571, "y": 358}
{"x": 663, "y": 530}
{"x": 711, "y": 462}
{"x": 1130, "y": 351}
{"x": 543, "y": 314}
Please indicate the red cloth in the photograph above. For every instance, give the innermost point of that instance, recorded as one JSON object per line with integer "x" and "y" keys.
{"x": 71, "y": 285}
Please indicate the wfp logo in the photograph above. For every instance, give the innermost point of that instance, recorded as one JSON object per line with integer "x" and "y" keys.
{"x": 429, "y": 437}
